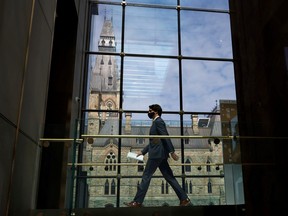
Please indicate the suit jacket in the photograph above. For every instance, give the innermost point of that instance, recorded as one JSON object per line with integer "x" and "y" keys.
{"x": 158, "y": 148}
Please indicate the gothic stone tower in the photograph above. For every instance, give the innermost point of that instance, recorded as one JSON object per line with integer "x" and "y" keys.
{"x": 104, "y": 83}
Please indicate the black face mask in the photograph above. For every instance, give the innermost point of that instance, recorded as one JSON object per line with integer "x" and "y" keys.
{"x": 151, "y": 114}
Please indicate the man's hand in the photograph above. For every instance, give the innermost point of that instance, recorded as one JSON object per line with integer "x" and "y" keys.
{"x": 139, "y": 154}
{"x": 174, "y": 156}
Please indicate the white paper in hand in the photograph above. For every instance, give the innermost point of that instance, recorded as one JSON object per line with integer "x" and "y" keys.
{"x": 134, "y": 156}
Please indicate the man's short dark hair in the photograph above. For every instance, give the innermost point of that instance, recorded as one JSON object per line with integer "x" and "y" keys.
{"x": 157, "y": 108}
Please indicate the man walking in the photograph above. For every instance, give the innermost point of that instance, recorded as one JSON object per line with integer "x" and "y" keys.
{"x": 158, "y": 150}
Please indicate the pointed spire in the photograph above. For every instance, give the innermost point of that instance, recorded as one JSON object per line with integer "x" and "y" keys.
{"x": 105, "y": 14}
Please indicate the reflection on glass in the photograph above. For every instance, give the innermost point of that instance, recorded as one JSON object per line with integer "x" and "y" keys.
{"x": 151, "y": 31}
{"x": 206, "y": 4}
{"x": 150, "y": 80}
{"x": 205, "y": 34}
{"x": 207, "y": 82}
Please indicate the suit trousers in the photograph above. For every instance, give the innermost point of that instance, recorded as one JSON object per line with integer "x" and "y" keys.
{"x": 150, "y": 168}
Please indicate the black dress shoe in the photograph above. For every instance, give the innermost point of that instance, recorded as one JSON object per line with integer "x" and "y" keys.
{"x": 133, "y": 204}
{"x": 185, "y": 202}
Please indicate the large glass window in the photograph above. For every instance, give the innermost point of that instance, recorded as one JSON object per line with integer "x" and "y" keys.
{"x": 174, "y": 53}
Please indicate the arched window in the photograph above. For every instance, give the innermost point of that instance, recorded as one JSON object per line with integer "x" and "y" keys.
{"x": 110, "y": 62}
{"x": 113, "y": 187}
{"x": 208, "y": 166}
{"x": 110, "y": 162}
{"x": 106, "y": 187}
{"x": 103, "y": 42}
{"x": 140, "y": 141}
{"x": 110, "y": 79}
{"x": 140, "y": 166}
{"x": 209, "y": 186}
{"x": 167, "y": 188}
{"x": 190, "y": 187}
{"x": 164, "y": 188}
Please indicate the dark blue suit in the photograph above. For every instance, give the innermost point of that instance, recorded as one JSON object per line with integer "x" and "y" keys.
{"x": 158, "y": 150}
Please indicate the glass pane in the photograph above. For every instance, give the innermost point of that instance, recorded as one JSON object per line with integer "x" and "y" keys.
{"x": 103, "y": 87}
{"x": 206, "y": 4}
{"x": 150, "y": 80}
{"x": 105, "y": 35}
{"x": 151, "y": 31}
{"x": 100, "y": 164}
{"x": 205, "y": 34}
{"x": 205, "y": 83}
